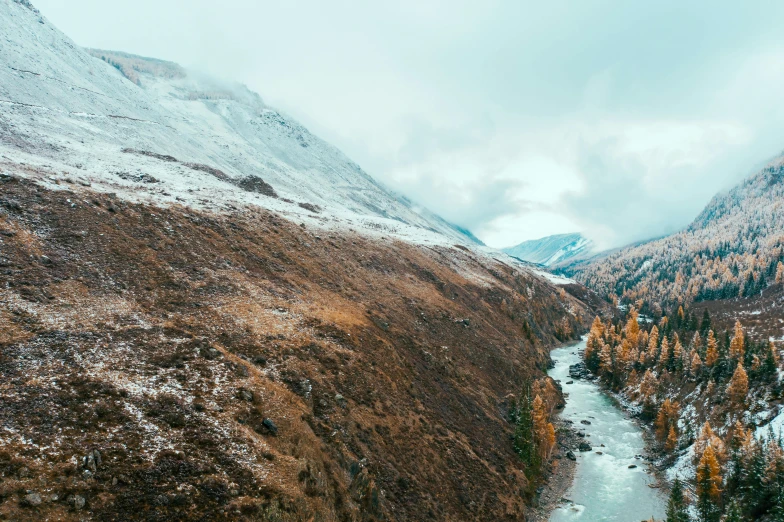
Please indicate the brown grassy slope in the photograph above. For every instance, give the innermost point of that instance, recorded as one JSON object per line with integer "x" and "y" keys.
{"x": 163, "y": 338}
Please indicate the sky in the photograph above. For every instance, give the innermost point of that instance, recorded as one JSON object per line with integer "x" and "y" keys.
{"x": 515, "y": 119}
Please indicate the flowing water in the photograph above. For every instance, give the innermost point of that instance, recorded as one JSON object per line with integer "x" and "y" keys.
{"x": 604, "y": 487}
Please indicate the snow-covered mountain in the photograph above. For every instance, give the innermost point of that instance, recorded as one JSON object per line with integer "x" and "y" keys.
{"x": 551, "y": 250}
{"x": 150, "y": 130}
{"x": 734, "y": 248}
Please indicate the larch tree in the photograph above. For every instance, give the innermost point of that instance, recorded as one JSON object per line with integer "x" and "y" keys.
{"x": 709, "y": 486}
{"x": 664, "y": 352}
{"x": 695, "y": 364}
{"x": 632, "y": 328}
{"x": 738, "y": 387}
{"x": 544, "y": 432}
{"x": 780, "y": 273}
{"x": 672, "y": 440}
{"x": 737, "y": 348}
{"x": 712, "y": 350}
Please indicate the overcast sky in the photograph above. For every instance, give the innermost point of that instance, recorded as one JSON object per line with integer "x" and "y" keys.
{"x": 515, "y": 119}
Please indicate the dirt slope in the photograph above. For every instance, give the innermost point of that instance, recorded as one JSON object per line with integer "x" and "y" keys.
{"x": 246, "y": 367}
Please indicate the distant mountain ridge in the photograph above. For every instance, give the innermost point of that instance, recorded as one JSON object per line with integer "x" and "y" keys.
{"x": 551, "y": 250}
{"x": 733, "y": 248}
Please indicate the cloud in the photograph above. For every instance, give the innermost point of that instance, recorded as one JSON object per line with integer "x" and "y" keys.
{"x": 517, "y": 119}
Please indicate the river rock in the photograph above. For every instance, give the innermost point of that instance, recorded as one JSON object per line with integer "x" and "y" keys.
{"x": 632, "y": 466}
{"x": 570, "y": 455}
{"x": 584, "y": 446}
{"x": 569, "y": 382}
{"x": 586, "y": 422}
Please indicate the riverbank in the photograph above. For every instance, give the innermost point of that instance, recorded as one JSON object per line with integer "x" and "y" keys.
{"x": 561, "y": 472}
{"x": 612, "y": 479}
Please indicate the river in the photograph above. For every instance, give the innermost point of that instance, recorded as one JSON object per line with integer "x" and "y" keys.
{"x": 604, "y": 487}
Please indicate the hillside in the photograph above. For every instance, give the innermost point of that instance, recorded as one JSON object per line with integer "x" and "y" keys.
{"x": 551, "y": 250}
{"x": 208, "y": 313}
{"x": 733, "y": 249}
{"x": 150, "y": 130}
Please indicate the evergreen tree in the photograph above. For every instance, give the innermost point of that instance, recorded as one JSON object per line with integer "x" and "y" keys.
{"x": 677, "y": 510}
{"x": 770, "y": 365}
{"x": 705, "y": 325}
{"x": 524, "y": 442}
{"x": 733, "y": 513}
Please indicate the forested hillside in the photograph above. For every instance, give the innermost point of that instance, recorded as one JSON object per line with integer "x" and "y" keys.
{"x": 735, "y": 247}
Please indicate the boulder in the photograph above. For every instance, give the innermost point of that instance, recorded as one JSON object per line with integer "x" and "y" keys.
{"x": 570, "y": 455}
{"x": 270, "y": 425}
{"x": 584, "y": 446}
{"x": 32, "y": 500}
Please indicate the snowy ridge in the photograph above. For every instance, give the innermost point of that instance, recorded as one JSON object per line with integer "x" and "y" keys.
{"x": 551, "y": 250}
{"x": 68, "y": 113}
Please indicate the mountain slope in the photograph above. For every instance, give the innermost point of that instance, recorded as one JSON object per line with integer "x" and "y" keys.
{"x": 83, "y": 114}
{"x": 734, "y": 248}
{"x": 203, "y": 317}
{"x": 551, "y": 250}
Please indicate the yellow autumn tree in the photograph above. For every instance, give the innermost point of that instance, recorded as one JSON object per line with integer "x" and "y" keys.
{"x": 696, "y": 363}
{"x": 737, "y": 348}
{"x": 712, "y": 350}
{"x": 664, "y": 353}
{"x": 653, "y": 344}
{"x": 672, "y": 440}
{"x": 708, "y": 438}
{"x": 667, "y": 418}
{"x": 632, "y": 328}
{"x": 738, "y": 387}
{"x": 544, "y": 432}
{"x": 709, "y": 475}
{"x": 780, "y": 273}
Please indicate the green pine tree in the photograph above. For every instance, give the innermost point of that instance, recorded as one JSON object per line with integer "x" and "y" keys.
{"x": 676, "y": 505}
{"x": 524, "y": 443}
{"x": 733, "y": 513}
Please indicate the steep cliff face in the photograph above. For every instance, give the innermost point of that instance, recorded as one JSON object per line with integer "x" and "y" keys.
{"x": 240, "y": 365}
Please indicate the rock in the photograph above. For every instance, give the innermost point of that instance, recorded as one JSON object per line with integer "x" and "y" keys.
{"x": 245, "y": 395}
{"x": 92, "y": 460}
{"x": 570, "y": 455}
{"x": 581, "y": 434}
{"x": 76, "y": 501}
{"x": 632, "y": 466}
{"x": 584, "y": 446}
{"x": 32, "y": 500}
{"x": 599, "y": 453}
{"x": 23, "y": 472}
{"x": 586, "y": 422}
{"x": 88, "y": 462}
{"x": 270, "y": 425}
{"x": 114, "y": 481}
{"x": 569, "y": 382}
